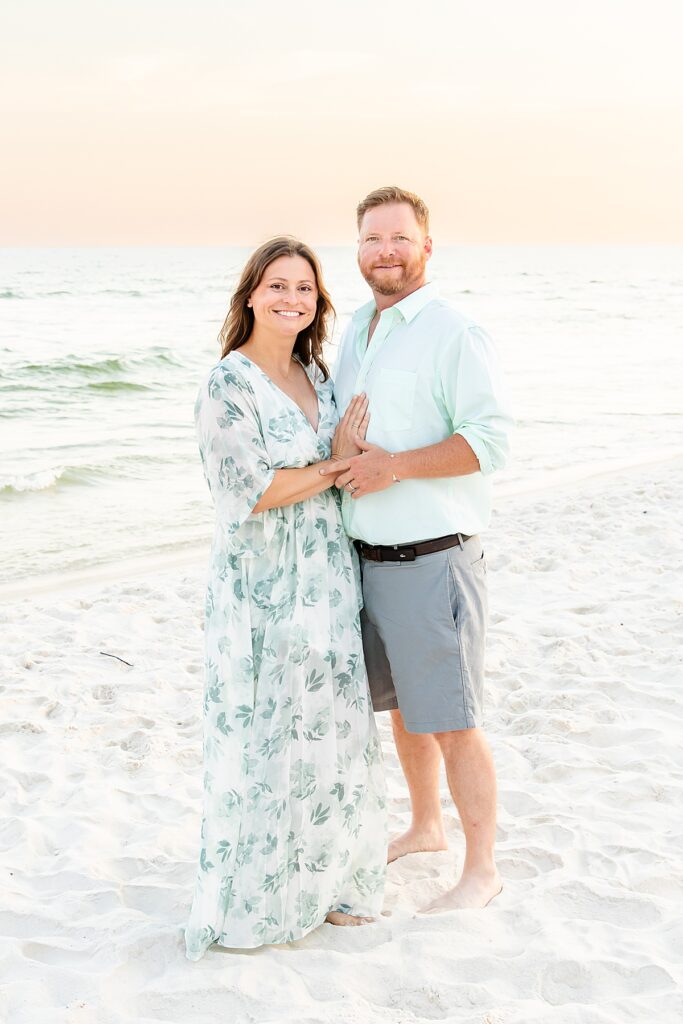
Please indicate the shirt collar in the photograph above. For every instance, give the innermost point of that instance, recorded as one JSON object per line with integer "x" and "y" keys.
{"x": 408, "y": 307}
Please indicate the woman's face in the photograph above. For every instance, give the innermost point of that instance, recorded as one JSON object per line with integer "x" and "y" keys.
{"x": 286, "y": 297}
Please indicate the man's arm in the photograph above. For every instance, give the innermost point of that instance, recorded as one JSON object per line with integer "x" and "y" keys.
{"x": 377, "y": 469}
{"x": 452, "y": 457}
{"x": 472, "y": 394}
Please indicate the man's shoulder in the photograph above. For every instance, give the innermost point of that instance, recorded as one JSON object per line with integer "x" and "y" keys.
{"x": 345, "y": 344}
{"x": 442, "y": 315}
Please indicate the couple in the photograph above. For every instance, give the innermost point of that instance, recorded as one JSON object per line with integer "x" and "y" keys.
{"x": 294, "y": 825}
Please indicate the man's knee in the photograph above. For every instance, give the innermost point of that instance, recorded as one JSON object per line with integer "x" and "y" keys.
{"x": 455, "y": 738}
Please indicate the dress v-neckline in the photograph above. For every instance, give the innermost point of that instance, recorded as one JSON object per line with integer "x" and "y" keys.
{"x": 289, "y": 398}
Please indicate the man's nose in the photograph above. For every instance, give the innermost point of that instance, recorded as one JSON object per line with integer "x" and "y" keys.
{"x": 387, "y": 248}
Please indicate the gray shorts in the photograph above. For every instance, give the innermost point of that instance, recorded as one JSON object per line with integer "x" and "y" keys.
{"x": 424, "y": 631}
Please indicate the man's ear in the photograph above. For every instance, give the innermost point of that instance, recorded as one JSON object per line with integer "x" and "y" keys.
{"x": 428, "y": 246}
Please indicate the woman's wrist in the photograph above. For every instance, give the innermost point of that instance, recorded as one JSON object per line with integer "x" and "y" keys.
{"x": 331, "y": 468}
{"x": 327, "y": 479}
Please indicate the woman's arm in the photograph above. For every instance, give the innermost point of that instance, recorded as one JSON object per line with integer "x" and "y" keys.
{"x": 291, "y": 485}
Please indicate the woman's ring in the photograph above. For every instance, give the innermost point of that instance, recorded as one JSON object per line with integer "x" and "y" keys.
{"x": 351, "y": 487}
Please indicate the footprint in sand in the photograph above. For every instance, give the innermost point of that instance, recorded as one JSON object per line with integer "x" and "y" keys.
{"x": 579, "y": 901}
{"x": 9, "y": 727}
{"x": 530, "y": 863}
{"x": 53, "y": 709}
{"x": 516, "y": 867}
{"x": 61, "y": 956}
{"x": 104, "y": 694}
{"x": 136, "y": 743}
{"x": 568, "y": 981}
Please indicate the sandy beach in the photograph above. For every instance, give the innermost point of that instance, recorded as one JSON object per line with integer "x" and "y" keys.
{"x": 101, "y": 793}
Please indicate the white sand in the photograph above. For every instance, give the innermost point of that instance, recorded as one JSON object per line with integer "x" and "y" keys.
{"x": 101, "y": 790}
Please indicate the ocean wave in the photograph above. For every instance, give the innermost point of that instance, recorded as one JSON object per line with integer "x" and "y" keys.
{"x": 133, "y": 293}
{"x": 114, "y": 385}
{"x": 68, "y": 388}
{"x": 77, "y": 365}
{"x": 151, "y": 289}
{"x": 43, "y": 480}
{"x": 135, "y": 467}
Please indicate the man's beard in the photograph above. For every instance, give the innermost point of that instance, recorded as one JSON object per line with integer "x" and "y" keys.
{"x": 387, "y": 285}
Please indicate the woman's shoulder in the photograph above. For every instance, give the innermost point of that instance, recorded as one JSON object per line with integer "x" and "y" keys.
{"x": 229, "y": 374}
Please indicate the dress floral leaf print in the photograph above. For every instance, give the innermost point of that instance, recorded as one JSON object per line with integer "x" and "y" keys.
{"x": 294, "y": 816}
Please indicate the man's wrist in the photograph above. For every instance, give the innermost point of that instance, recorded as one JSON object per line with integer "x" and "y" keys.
{"x": 398, "y": 466}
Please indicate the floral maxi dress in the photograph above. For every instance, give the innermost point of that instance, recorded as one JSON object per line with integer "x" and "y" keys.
{"x": 294, "y": 817}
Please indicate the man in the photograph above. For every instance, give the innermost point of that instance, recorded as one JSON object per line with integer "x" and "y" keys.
{"x": 416, "y": 499}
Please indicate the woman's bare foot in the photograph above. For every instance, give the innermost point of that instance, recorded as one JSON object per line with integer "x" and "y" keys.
{"x": 473, "y": 892}
{"x": 416, "y": 841}
{"x": 345, "y": 920}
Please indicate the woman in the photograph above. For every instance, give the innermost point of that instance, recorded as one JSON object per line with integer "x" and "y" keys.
{"x": 294, "y": 829}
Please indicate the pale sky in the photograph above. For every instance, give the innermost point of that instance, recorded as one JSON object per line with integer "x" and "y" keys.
{"x": 226, "y": 121}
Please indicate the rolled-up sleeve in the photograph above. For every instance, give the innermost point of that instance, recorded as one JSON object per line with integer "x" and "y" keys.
{"x": 474, "y": 396}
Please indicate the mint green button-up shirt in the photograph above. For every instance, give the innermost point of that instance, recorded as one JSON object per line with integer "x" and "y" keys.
{"x": 429, "y": 372}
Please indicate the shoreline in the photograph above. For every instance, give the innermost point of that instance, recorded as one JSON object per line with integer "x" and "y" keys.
{"x": 196, "y": 555}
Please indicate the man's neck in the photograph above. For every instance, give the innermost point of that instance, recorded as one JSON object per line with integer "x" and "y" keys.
{"x": 383, "y": 302}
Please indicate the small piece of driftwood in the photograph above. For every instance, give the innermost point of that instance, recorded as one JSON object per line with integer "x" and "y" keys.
{"x": 107, "y": 655}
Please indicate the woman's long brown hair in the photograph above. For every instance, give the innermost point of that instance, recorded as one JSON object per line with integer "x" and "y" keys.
{"x": 239, "y": 323}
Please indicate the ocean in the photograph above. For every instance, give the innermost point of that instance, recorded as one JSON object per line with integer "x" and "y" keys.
{"x": 101, "y": 351}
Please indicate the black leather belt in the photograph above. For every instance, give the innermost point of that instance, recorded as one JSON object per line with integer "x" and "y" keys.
{"x": 409, "y": 552}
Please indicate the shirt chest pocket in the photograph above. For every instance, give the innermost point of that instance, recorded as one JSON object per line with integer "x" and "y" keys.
{"x": 393, "y": 399}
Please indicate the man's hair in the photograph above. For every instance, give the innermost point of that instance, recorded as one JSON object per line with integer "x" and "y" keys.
{"x": 393, "y": 194}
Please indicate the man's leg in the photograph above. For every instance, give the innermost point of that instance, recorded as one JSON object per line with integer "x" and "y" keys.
{"x": 472, "y": 782}
{"x": 420, "y": 757}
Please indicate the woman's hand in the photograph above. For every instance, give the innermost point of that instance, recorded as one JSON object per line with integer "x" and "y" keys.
{"x": 351, "y": 428}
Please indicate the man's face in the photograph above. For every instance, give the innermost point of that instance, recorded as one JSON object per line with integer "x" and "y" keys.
{"x": 393, "y": 249}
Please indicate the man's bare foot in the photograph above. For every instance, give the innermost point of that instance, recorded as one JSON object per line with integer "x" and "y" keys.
{"x": 345, "y": 920}
{"x": 473, "y": 891}
{"x": 416, "y": 841}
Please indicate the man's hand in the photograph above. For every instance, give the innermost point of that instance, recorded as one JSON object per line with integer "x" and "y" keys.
{"x": 371, "y": 471}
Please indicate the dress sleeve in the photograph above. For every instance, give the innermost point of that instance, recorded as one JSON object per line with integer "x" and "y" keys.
{"x": 236, "y": 463}
{"x": 474, "y": 397}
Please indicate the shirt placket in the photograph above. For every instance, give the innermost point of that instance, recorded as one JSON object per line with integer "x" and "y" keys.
{"x": 387, "y": 319}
